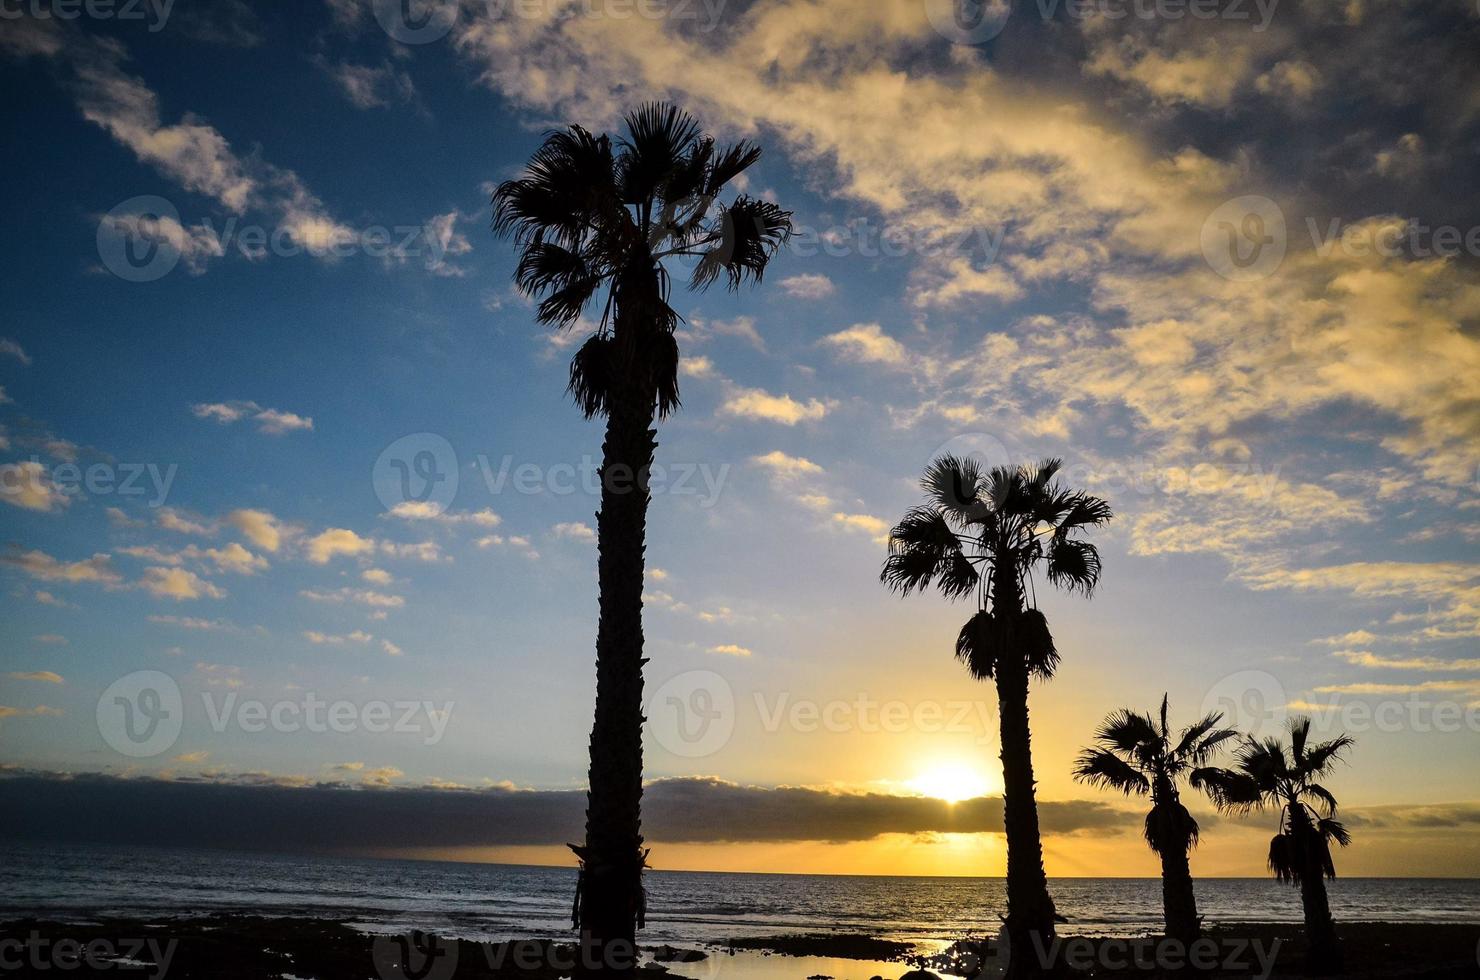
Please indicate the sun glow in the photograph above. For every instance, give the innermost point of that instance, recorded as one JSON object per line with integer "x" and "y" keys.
{"x": 952, "y": 782}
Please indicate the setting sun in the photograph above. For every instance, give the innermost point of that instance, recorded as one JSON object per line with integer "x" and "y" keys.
{"x": 953, "y": 782}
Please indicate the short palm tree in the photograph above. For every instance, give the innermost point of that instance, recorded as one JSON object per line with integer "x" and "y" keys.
{"x": 1267, "y": 775}
{"x": 981, "y": 534}
{"x": 596, "y": 218}
{"x": 1136, "y": 753}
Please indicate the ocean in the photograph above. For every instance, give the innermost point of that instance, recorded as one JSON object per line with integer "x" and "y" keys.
{"x": 485, "y": 901}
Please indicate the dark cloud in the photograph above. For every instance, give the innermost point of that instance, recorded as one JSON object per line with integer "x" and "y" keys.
{"x": 258, "y": 813}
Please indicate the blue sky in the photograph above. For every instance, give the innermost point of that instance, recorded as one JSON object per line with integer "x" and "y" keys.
{"x": 1292, "y": 457}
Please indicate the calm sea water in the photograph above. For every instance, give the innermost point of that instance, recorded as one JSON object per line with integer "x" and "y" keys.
{"x": 504, "y": 901}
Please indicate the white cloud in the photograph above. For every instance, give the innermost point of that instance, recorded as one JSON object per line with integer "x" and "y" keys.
{"x": 336, "y": 639}
{"x": 40, "y": 676}
{"x": 270, "y": 421}
{"x": 754, "y": 403}
{"x": 731, "y": 650}
{"x": 373, "y": 87}
{"x": 326, "y": 545}
{"x": 179, "y": 584}
{"x": 786, "y": 467}
{"x": 390, "y": 648}
{"x": 365, "y": 597}
{"x": 259, "y": 527}
{"x": 867, "y": 342}
{"x": 428, "y": 510}
{"x": 39, "y": 565}
{"x": 9, "y": 348}
{"x": 28, "y": 485}
{"x": 808, "y": 285}
{"x": 574, "y": 530}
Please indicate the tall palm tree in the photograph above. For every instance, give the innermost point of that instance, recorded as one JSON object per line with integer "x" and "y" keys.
{"x": 597, "y": 218}
{"x": 1139, "y": 754}
{"x": 981, "y": 534}
{"x": 1267, "y": 775}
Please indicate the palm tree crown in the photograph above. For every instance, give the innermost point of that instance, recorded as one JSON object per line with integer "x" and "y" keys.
{"x": 590, "y": 213}
{"x": 1138, "y": 754}
{"x": 1268, "y": 775}
{"x": 983, "y": 533}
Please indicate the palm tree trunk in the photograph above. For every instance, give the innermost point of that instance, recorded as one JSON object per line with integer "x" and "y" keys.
{"x": 1323, "y": 957}
{"x": 1030, "y": 910}
{"x": 610, "y": 899}
{"x": 1178, "y": 901}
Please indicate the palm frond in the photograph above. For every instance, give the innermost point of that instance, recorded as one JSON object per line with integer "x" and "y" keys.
{"x": 922, "y": 547}
{"x": 750, "y": 233}
{"x": 954, "y": 483}
{"x": 1099, "y": 767}
{"x": 1127, "y": 731}
{"x": 1230, "y": 791}
{"x": 1321, "y": 758}
{"x": 591, "y": 375}
{"x": 1033, "y": 639}
{"x": 1322, "y": 795}
{"x": 660, "y": 136}
{"x": 1073, "y": 565}
{"x": 1284, "y": 859}
{"x": 979, "y": 644}
{"x": 1171, "y": 828}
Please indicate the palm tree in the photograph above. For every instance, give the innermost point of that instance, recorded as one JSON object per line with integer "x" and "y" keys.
{"x": 981, "y": 535}
{"x": 1139, "y": 754}
{"x": 1266, "y": 774}
{"x": 597, "y": 217}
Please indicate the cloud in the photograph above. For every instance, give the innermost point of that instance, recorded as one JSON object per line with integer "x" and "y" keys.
{"x": 174, "y": 520}
{"x": 179, "y": 584}
{"x": 42, "y": 676}
{"x": 28, "y": 485}
{"x": 336, "y": 639}
{"x": 427, "y": 510}
{"x": 365, "y": 597}
{"x": 741, "y": 327}
{"x": 51, "y": 639}
{"x": 193, "y": 758}
{"x": 574, "y": 530}
{"x": 270, "y": 421}
{"x": 391, "y": 649}
{"x": 518, "y": 542}
{"x": 194, "y": 623}
{"x": 9, "y": 348}
{"x": 786, "y": 467}
{"x": 731, "y": 650}
{"x": 754, "y": 403}
{"x": 372, "y": 87}
{"x": 867, "y": 343}
{"x": 875, "y": 527}
{"x": 326, "y": 545}
{"x": 808, "y": 285}
{"x": 262, "y": 813}
{"x": 40, "y": 711}
{"x": 259, "y": 527}
{"x": 39, "y": 565}
{"x": 1366, "y": 658}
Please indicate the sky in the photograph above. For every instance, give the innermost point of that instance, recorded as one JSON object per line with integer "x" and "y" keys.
{"x": 297, "y": 517}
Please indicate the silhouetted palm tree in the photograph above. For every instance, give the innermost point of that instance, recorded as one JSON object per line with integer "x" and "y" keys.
{"x": 592, "y": 214}
{"x": 981, "y": 534}
{"x": 1139, "y": 754}
{"x": 1267, "y": 775}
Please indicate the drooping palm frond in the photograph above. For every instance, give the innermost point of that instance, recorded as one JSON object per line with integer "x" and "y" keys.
{"x": 1074, "y": 565}
{"x": 1107, "y": 770}
{"x": 1320, "y": 759}
{"x": 748, "y": 235}
{"x": 1032, "y": 639}
{"x": 922, "y": 549}
{"x": 1171, "y": 827}
{"x": 1284, "y": 862}
{"x": 1231, "y": 791}
{"x": 978, "y": 645}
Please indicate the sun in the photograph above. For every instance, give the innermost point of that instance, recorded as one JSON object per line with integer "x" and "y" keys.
{"x": 952, "y": 781}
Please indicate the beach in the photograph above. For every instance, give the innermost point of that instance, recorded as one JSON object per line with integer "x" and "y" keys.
{"x": 224, "y": 947}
